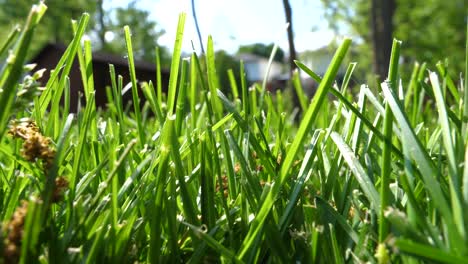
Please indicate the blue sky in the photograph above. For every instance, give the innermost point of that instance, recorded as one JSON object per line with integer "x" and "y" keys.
{"x": 240, "y": 22}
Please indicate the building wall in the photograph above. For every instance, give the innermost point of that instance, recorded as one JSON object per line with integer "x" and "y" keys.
{"x": 51, "y": 54}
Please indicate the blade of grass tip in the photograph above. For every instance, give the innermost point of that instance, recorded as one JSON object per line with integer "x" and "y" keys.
{"x": 57, "y": 92}
{"x": 411, "y": 93}
{"x": 442, "y": 69}
{"x": 15, "y": 64}
{"x": 348, "y": 75}
{"x": 117, "y": 94}
{"x": 358, "y": 131}
{"x": 136, "y": 100}
{"x": 232, "y": 81}
{"x": 454, "y": 179}
{"x": 386, "y": 161}
{"x": 350, "y": 106}
{"x": 253, "y": 98}
{"x": 298, "y": 141}
{"x": 175, "y": 65}
{"x": 309, "y": 72}
{"x": 63, "y": 66}
{"x": 267, "y": 75}
{"x": 213, "y": 82}
{"x": 149, "y": 92}
{"x": 427, "y": 168}
{"x": 420, "y": 98}
{"x": 299, "y": 90}
{"x": 82, "y": 64}
{"x": 88, "y": 60}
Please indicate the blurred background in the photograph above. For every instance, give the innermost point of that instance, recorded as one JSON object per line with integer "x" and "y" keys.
{"x": 431, "y": 31}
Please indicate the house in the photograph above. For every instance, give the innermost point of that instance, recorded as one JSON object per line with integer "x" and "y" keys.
{"x": 256, "y": 68}
{"x": 50, "y": 54}
{"x": 319, "y": 60}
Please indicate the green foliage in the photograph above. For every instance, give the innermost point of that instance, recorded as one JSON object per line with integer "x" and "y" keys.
{"x": 231, "y": 181}
{"x": 224, "y": 63}
{"x": 432, "y": 28}
{"x": 262, "y": 50}
{"x": 145, "y": 33}
{"x": 429, "y": 29}
{"x": 56, "y": 24}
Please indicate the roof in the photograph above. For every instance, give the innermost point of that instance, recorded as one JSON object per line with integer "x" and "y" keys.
{"x": 98, "y": 56}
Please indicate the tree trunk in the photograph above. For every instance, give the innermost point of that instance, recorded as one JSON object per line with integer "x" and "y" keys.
{"x": 292, "y": 49}
{"x": 382, "y": 28}
{"x": 102, "y": 26}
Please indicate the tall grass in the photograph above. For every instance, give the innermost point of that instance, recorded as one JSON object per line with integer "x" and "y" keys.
{"x": 196, "y": 177}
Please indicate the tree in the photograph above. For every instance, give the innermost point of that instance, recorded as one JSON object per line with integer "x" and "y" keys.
{"x": 381, "y": 31}
{"x": 224, "y": 62}
{"x": 292, "y": 49}
{"x": 431, "y": 30}
{"x": 262, "y": 50}
{"x": 56, "y": 23}
{"x": 145, "y": 34}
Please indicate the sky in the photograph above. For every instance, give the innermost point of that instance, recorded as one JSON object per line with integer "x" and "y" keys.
{"x": 232, "y": 23}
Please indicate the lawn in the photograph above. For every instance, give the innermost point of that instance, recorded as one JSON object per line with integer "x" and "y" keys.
{"x": 362, "y": 174}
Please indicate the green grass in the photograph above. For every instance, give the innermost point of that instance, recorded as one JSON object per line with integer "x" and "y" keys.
{"x": 367, "y": 174}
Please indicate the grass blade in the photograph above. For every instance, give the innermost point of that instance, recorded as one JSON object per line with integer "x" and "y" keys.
{"x": 136, "y": 98}
{"x": 304, "y": 127}
{"x": 358, "y": 171}
{"x": 171, "y": 97}
{"x": 15, "y": 65}
{"x": 385, "y": 194}
{"x": 426, "y": 167}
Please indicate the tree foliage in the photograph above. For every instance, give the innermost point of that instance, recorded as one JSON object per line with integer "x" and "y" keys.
{"x": 431, "y": 30}
{"x": 262, "y": 50}
{"x": 145, "y": 33}
{"x": 292, "y": 49}
{"x": 225, "y": 62}
{"x": 56, "y": 25}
